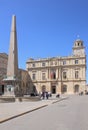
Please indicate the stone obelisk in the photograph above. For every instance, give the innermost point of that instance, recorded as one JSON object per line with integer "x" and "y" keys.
{"x": 11, "y": 79}
{"x": 12, "y": 68}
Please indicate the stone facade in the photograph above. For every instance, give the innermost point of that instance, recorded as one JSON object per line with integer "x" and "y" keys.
{"x": 60, "y": 74}
{"x": 3, "y": 70}
{"x": 3, "y": 65}
{"x": 24, "y": 82}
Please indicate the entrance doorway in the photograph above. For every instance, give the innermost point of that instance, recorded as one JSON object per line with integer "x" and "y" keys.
{"x": 53, "y": 89}
{"x": 1, "y": 89}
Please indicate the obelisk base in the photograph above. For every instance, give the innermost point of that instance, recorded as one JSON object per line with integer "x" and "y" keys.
{"x": 9, "y": 91}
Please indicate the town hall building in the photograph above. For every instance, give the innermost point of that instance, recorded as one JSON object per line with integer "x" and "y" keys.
{"x": 60, "y": 74}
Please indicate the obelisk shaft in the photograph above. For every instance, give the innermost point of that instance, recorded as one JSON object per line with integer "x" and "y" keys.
{"x": 12, "y": 68}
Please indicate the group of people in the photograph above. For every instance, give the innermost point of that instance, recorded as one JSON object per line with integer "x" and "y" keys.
{"x": 45, "y": 95}
{"x": 82, "y": 93}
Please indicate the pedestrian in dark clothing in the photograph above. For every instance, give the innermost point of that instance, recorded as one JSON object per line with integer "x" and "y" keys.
{"x": 43, "y": 95}
{"x": 47, "y": 95}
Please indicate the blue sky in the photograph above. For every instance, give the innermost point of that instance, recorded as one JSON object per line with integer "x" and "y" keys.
{"x": 45, "y": 28}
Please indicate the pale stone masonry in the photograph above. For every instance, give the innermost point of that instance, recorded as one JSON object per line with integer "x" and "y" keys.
{"x": 12, "y": 68}
{"x": 60, "y": 74}
{"x": 3, "y": 69}
{"x": 3, "y": 65}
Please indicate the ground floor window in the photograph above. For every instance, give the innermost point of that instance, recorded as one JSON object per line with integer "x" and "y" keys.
{"x": 64, "y": 89}
{"x": 76, "y": 88}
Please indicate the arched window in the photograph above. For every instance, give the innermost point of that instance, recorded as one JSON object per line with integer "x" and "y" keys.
{"x": 76, "y": 88}
{"x": 64, "y": 89}
{"x": 53, "y": 89}
{"x": 81, "y": 44}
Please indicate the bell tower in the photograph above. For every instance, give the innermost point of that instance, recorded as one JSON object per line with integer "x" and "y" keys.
{"x": 78, "y": 48}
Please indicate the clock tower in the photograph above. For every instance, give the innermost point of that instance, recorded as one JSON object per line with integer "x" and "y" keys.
{"x": 78, "y": 48}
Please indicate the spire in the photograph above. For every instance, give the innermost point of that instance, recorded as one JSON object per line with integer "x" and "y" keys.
{"x": 12, "y": 68}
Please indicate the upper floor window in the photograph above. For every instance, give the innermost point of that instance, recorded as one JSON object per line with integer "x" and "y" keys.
{"x": 43, "y": 76}
{"x": 33, "y": 65}
{"x": 64, "y": 62}
{"x": 64, "y": 75}
{"x": 76, "y": 61}
{"x": 34, "y": 76}
{"x": 43, "y": 64}
{"x": 53, "y": 74}
{"x": 55, "y": 62}
{"x": 51, "y": 63}
{"x": 76, "y": 74}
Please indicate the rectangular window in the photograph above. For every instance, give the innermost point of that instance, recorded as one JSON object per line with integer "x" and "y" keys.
{"x": 76, "y": 61}
{"x": 76, "y": 74}
{"x": 64, "y": 75}
{"x": 33, "y": 65}
{"x": 43, "y": 76}
{"x": 43, "y": 64}
{"x": 64, "y": 62}
{"x": 53, "y": 74}
{"x": 34, "y": 76}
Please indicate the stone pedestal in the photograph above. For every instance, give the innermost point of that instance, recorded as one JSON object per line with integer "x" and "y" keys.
{"x": 11, "y": 85}
{"x": 9, "y": 90}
